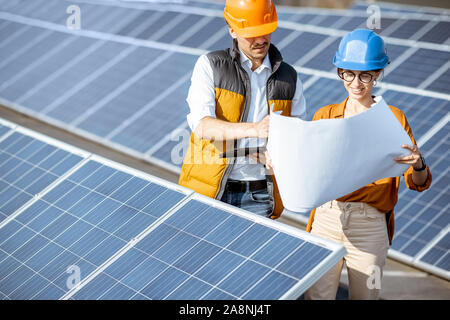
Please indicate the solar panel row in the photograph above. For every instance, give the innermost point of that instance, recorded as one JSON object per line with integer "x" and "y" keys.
{"x": 132, "y": 236}
{"x": 85, "y": 81}
{"x": 109, "y": 60}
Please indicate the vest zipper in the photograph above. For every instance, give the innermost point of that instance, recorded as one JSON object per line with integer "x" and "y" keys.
{"x": 229, "y": 167}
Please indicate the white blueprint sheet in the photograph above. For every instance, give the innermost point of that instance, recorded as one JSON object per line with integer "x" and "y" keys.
{"x": 318, "y": 161}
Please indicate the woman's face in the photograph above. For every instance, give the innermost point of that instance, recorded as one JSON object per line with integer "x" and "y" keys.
{"x": 358, "y": 84}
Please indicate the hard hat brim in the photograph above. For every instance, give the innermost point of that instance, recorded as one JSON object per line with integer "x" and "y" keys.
{"x": 360, "y": 66}
{"x": 256, "y": 31}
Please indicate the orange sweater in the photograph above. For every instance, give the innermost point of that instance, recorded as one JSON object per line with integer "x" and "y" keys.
{"x": 381, "y": 194}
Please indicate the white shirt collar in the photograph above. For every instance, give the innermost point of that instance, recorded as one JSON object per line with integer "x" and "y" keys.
{"x": 266, "y": 62}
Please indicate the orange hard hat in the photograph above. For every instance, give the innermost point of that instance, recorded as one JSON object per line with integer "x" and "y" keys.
{"x": 251, "y": 18}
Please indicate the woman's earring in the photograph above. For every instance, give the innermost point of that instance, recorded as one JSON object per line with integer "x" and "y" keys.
{"x": 375, "y": 83}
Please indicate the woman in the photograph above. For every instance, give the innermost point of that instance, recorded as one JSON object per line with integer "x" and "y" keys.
{"x": 363, "y": 221}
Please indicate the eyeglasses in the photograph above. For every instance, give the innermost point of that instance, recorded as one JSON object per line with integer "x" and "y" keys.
{"x": 349, "y": 76}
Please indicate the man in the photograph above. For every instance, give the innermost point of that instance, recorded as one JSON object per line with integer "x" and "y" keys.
{"x": 229, "y": 99}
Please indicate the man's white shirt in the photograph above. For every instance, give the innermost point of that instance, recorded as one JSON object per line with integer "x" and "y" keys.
{"x": 202, "y": 103}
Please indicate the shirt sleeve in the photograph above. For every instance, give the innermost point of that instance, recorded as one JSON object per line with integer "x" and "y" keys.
{"x": 410, "y": 183}
{"x": 298, "y": 108}
{"x": 201, "y": 96}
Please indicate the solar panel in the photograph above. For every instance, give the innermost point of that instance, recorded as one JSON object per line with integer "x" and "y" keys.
{"x": 437, "y": 257}
{"x": 206, "y": 250}
{"x": 297, "y": 48}
{"x": 422, "y": 217}
{"x": 3, "y": 130}
{"x": 439, "y": 33}
{"x": 105, "y": 87}
{"x": 83, "y": 221}
{"x": 404, "y": 73}
{"x": 202, "y": 35}
{"x": 408, "y": 29}
{"x": 131, "y": 235}
{"x": 27, "y": 167}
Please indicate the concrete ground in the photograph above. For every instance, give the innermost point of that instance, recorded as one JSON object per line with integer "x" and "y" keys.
{"x": 400, "y": 281}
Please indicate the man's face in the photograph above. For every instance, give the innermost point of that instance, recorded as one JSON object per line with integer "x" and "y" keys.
{"x": 254, "y": 48}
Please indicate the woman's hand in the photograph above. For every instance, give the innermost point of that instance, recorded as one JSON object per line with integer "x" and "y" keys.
{"x": 413, "y": 159}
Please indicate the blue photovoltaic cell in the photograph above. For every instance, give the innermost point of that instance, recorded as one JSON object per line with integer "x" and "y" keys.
{"x": 439, "y": 255}
{"x": 16, "y": 35}
{"x": 306, "y": 18}
{"x": 83, "y": 221}
{"x": 142, "y": 18}
{"x": 324, "y": 92}
{"x": 421, "y": 112}
{"x": 304, "y": 77}
{"x": 220, "y": 43}
{"x": 324, "y": 59}
{"x": 55, "y": 11}
{"x": 438, "y": 34}
{"x": 202, "y": 252}
{"x": 171, "y": 117}
{"x": 144, "y": 91}
{"x": 3, "y": 130}
{"x": 279, "y": 34}
{"x": 196, "y": 40}
{"x": 408, "y": 29}
{"x": 442, "y": 84}
{"x": 75, "y": 74}
{"x": 301, "y": 45}
{"x": 187, "y": 22}
{"x": 104, "y": 87}
{"x": 27, "y": 167}
{"x": 37, "y": 98}
{"x": 354, "y": 23}
{"x": 329, "y": 20}
{"x": 409, "y": 74}
{"x": 384, "y": 24}
{"x": 394, "y": 51}
{"x": 156, "y": 25}
{"x": 9, "y": 72}
{"x": 9, "y": 28}
{"x": 69, "y": 48}
{"x": 175, "y": 149}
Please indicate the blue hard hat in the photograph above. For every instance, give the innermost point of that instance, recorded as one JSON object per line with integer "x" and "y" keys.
{"x": 362, "y": 50}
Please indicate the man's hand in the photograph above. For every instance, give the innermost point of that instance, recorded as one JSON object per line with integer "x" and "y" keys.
{"x": 262, "y": 127}
{"x": 264, "y": 159}
{"x": 220, "y": 130}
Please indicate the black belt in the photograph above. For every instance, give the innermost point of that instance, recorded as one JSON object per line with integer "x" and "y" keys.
{"x": 243, "y": 186}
